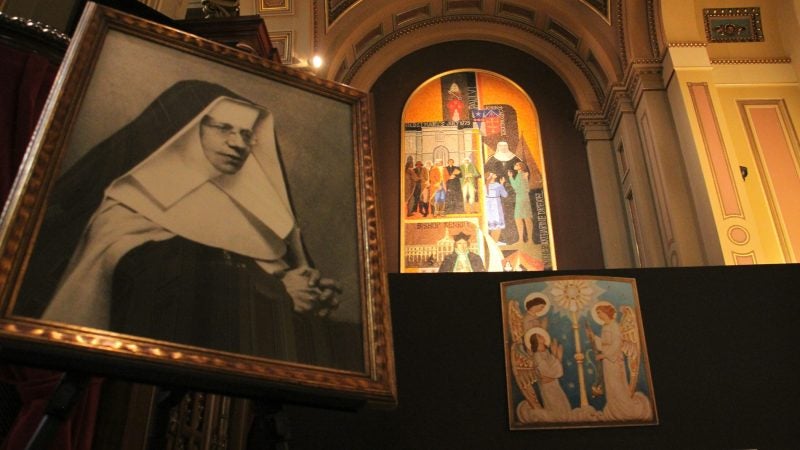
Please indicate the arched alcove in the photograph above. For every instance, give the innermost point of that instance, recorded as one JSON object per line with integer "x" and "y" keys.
{"x": 473, "y": 169}
{"x": 573, "y": 214}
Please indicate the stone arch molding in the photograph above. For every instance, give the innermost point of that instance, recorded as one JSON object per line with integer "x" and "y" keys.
{"x": 559, "y": 56}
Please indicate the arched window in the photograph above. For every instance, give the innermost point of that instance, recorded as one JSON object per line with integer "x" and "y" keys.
{"x": 473, "y": 183}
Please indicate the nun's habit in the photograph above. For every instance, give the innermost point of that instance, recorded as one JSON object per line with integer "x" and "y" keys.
{"x": 174, "y": 248}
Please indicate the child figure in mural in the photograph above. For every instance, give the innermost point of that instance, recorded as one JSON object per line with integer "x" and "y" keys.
{"x": 469, "y": 191}
{"x": 523, "y": 213}
{"x": 495, "y": 218}
{"x": 454, "y": 201}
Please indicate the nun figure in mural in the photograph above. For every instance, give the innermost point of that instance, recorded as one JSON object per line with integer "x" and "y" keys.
{"x": 502, "y": 160}
{"x": 180, "y": 228}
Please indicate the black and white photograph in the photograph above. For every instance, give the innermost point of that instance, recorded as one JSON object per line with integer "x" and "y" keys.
{"x": 216, "y": 206}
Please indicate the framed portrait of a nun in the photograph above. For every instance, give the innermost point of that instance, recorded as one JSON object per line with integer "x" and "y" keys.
{"x": 187, "y": 208}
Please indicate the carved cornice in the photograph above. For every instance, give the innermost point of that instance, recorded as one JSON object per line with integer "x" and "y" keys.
{"x": 734, "y": 61}
{"x": 642, "y": 75}
{"x": 618, "y": 102}
{"x": 592, "y": 124}
{"x": 466, "y": 18}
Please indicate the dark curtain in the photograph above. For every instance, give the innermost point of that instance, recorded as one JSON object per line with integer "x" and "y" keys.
{"x": 25, "y": 82}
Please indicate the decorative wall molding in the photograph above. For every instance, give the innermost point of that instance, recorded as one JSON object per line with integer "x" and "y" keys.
{"x": 412, "y": 15}
{"x": 622, "y": 51}
{"x": 657, "y": 172}
{"x": 652, "y": 28}
{"x": 744, "y": 259}
{"x": 556, "y": 29}
{"x": 601, "y": 7}
{"x": 733, "y": 24}
{"x": 716, "y": 152}
{"x": 275, "y": 7}
{"x": 687, "y": 44}
{"x": 733, "y": 61}
{"x": 738, "y": 235}
{"x": 283, "y": 41}
{"x": 642, "y": 75}
{"x": 618, "y": 102}
{"x": 774, "y": 144}
{"x": 335, "y": 9}
{"x": 517, "y": 12}
{"x": 463, "y": 6}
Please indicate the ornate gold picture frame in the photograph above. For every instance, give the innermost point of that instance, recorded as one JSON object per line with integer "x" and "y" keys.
{"x": 190, "y": 213}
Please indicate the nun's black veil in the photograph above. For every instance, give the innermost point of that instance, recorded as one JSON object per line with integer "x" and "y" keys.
{"x": 79, "y": 191}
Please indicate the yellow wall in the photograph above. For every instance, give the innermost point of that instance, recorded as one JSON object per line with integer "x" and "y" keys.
{"x": 734, "y": 73}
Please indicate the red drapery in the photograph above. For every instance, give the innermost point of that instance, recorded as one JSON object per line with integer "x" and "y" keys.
{"x": 25, "y": 82}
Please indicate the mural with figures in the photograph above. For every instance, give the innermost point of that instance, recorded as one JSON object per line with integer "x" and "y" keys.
{"x": 575, "y": 353}
{"x": 473, "y": 182}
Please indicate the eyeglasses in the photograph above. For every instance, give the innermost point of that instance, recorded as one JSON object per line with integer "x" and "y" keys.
{"x": 247, "y": 135}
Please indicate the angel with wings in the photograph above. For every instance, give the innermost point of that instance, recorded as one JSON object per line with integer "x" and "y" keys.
{"x": 537, "y": 360}
{"x": 619, "y": 345}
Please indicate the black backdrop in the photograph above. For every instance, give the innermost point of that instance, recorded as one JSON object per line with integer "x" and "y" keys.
{"x": 722, "y": 343}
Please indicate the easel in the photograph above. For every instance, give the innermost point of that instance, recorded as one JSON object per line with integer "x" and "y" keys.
{"x": 270, "y": 429}
{"x": 66, "y": 394}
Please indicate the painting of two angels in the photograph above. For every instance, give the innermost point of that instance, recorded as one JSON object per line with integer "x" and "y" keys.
{"x": 576, "y": 353}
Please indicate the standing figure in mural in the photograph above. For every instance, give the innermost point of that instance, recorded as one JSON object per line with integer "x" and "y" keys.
{"x": 436, "y": 177}
{"x": 495, "y": 218}
{"x": 547, "y": 362}
{"x": 462, "y": 259}
{"x": 619, "y": 344}
{"x": 469, "y": 185}
{"x": 523, "y": 213}
{"x": 424, "y": 188}
{"x": 454, "y": 200}
{"x": 412, "y": 189}
{"x": 153, "y": 257}
{"x": 500, "y": 163}
{"x": 455, "y": 104}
